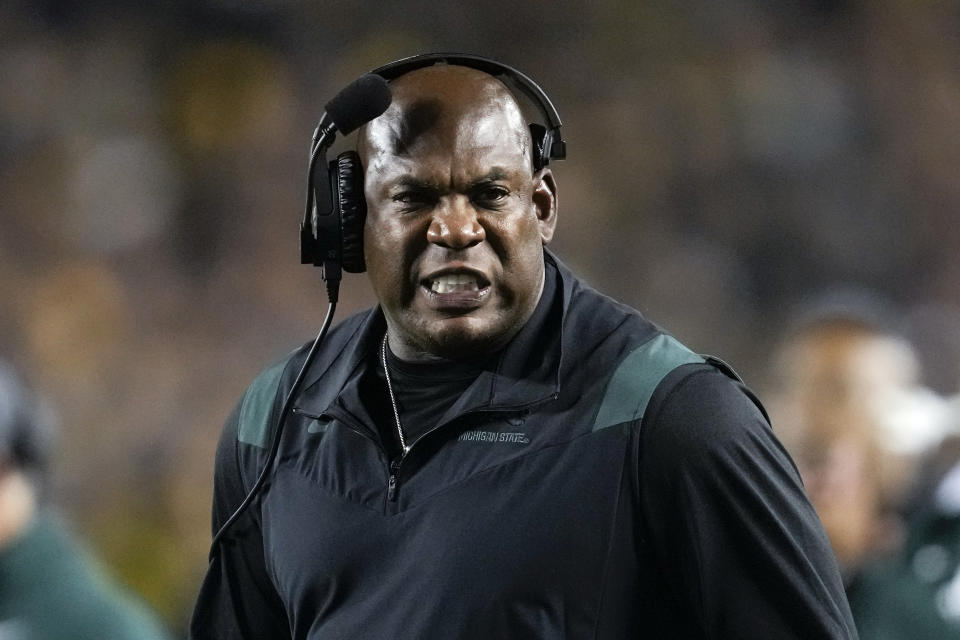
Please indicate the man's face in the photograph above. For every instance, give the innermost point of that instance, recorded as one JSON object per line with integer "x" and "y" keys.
{"x": 456, "y": 222}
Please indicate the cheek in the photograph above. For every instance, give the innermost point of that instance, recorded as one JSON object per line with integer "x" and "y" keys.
{"x": 389, "y": 252}
{"x": 523, "y": 245}
{"x": 382, "y": 237}
{"x": 382, "y": 266}
{"x": 372, "y": 250}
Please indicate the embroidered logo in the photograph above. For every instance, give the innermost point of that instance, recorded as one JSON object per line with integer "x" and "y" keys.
{"x": 515, "y": 437}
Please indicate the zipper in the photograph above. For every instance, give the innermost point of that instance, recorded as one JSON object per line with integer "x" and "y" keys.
{"x": 394, "y": 480}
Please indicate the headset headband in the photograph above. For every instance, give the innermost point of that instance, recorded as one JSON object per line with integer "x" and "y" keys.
{"x": 554, "y": 148}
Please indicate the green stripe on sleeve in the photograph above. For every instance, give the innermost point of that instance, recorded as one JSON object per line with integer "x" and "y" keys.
{"x": 257, "y": 406}
{"x": 633, "y": 383}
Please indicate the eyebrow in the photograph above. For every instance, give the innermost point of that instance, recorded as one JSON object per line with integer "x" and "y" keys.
{"x": 410, "y": 181}
{"x": 496, "y": 173}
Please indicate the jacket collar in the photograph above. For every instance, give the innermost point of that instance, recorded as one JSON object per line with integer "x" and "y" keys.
{"x": 527, "y": 373}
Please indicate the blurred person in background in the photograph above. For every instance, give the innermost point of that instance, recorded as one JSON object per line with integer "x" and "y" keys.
{"x": 50, "y": 589}
{"x": 850, "y": 408}
{"x": 915, "y": 595}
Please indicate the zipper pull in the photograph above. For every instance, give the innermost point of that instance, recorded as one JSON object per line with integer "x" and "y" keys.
{"x": 392, "y": 483}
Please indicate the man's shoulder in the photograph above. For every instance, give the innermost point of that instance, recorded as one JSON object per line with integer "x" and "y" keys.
{"x": 621, "y": 352}
{"x": 260, "y": 399}
{"x": 639, "y": 372}
{"x": 640, "y": 363}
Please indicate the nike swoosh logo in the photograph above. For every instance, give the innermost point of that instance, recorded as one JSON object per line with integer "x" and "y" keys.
{"x": 318, "y": 426}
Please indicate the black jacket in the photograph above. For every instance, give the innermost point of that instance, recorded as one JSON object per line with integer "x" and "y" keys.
{"x": 602, "y": 482}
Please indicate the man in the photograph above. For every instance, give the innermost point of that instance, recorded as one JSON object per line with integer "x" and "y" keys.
{"x": 49, "y": 589}
{"x": 467, "y": 459}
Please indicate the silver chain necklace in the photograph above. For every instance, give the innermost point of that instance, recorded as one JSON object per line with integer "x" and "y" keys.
{"x": 393, "y": 399}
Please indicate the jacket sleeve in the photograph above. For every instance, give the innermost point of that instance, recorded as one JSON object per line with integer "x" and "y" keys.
{"x": 741, "y": 549}
{"x": 237, "y": 599}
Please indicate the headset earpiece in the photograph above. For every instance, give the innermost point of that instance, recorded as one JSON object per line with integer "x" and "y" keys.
{"x": 352, "y": 208}
{"x": 540, "y": 153}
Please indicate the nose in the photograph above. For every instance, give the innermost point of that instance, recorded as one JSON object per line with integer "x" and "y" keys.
{"x": 455, "y": 225}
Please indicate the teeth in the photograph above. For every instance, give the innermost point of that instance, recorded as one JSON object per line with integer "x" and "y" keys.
{"x": 454, "y": 282}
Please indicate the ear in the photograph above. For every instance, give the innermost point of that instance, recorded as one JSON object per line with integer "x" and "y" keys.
{"x": 545, "y": 201}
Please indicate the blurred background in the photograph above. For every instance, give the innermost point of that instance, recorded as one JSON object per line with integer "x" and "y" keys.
{"x": 730, "y": 165}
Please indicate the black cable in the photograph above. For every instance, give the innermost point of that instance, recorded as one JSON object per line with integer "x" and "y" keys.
{"x": 275, "y": 441}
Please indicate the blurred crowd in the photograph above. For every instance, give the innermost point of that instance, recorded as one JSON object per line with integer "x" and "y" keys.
{"x": 730, "y": 165}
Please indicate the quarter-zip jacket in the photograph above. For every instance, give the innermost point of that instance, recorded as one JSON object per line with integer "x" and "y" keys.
{"x": 602, "y": 482}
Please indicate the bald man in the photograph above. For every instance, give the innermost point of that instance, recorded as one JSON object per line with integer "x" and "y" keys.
{"x": 466, "y": 460}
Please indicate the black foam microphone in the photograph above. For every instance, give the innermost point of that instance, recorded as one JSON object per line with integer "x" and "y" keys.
{"x": 360, "y": 102}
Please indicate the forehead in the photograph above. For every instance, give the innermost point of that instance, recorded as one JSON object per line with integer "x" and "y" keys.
{"x": 463, "y": 119}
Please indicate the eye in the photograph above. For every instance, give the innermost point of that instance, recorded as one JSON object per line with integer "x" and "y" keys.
{"x": 414, "y": 199}
{"x": 491, "y": 195}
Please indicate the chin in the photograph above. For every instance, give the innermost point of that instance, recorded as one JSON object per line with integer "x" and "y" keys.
{"x": 463, "y": 338}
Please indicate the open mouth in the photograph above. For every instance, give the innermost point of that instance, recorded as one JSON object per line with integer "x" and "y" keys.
{"x": 454, "y": 282}
{"x": 456, "y": 286}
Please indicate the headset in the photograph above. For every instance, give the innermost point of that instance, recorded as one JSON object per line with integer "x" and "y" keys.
{"x": 331, "y": 232}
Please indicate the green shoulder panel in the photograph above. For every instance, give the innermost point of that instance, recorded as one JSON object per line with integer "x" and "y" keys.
{"x": 255, "y": 427}
{"x": 636, "y": 378}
